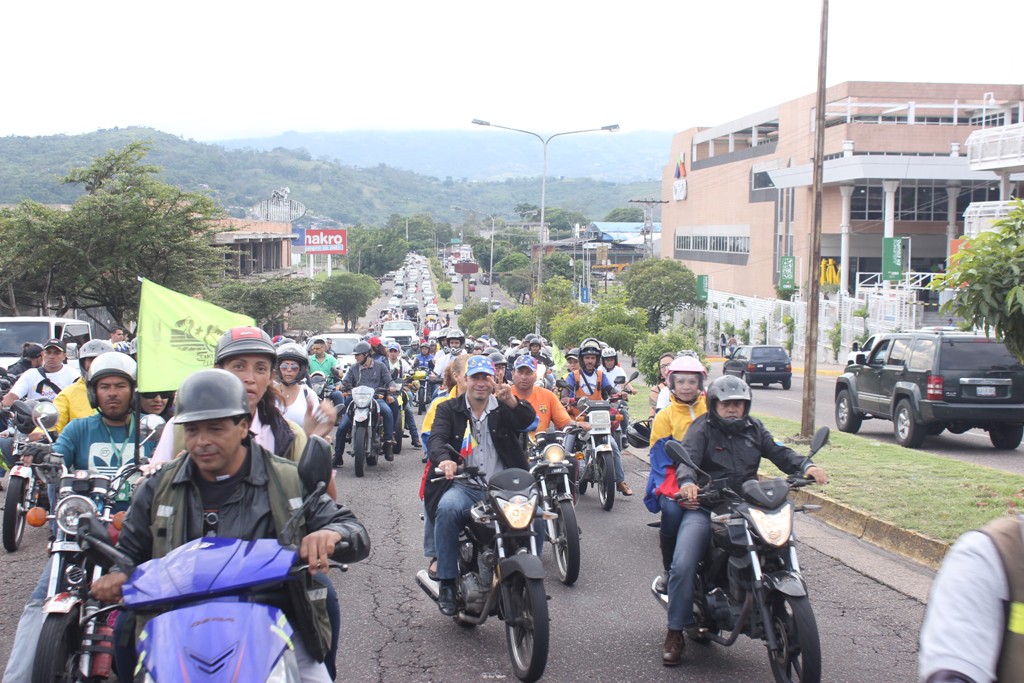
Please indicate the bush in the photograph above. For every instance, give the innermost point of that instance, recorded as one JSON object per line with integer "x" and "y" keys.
{"x": 762, "y": 328}
{"x": 790, "y": 324}
{"x": 444, "y": 289}
{"x": 471, "y": 312}
{"x": 745, "y": 332}
{"x": 513, "y": 322}
{"x": 672, "y": 340}
{"x": 835, "y": 339}
{"x": 610, "y": 321}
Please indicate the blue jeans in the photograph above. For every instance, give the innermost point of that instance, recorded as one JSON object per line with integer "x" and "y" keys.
{"x": 692, "y": 531}
{"x": 383, "y": 409}
{"x": 410, "y": 421}
{"x": 452, "y": 514}
{"x": 620, "y": 474}
{"x": 429, "y": 549}
{"x": 30, "y": 627}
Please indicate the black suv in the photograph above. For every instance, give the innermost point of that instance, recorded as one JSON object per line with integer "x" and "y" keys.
{"x": 760, "y": 365}
{"x": 928, "y": 382}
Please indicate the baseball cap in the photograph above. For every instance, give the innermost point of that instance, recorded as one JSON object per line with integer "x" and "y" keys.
{"x": 393, "y": 346}
{"x": 32, "y": 351}
{"x": 54, "y": 342}
{"x": 374, "y": 341}
{"x": 525, "y": 362}
{"x": 479, "y": 365}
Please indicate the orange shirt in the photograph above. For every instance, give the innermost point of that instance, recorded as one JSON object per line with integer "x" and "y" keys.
{"x": 548, "y": 408}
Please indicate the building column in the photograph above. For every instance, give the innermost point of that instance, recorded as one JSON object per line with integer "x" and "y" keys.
{"x": 952, "y": 192}
{"x": 844, "y": 240}
{"x": 890, "y": 186}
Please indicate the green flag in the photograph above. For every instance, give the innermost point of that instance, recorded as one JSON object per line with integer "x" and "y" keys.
{"x": 178, "y": 335}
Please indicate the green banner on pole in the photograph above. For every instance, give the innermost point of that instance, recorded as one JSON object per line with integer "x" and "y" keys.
{"x": 787, "y": 272}
{"x": 702, "y": 288}
{"x": 892, "y": 258}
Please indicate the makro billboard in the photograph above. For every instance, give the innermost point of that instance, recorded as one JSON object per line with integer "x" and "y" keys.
{"x": 325, "y": 241}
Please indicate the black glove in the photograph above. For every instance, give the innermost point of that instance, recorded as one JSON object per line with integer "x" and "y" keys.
{"x": 36, "y": 451}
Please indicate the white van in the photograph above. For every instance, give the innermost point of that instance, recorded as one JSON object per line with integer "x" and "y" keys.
{"x": 16, "y": 331}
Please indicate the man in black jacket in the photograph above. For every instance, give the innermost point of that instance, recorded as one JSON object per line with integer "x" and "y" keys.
{"x": 483, "y": 429}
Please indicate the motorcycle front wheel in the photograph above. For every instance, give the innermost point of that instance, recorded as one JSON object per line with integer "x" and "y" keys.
{"x": 799, "y": 655}
{"x": 359, "y": 447}
{"x": 14, "y": 513}
{"x": 604, "y": 474}
{"x": 526, "y": 626}
{"x": 55, "y": 660}
{"x": 566, "y": 543}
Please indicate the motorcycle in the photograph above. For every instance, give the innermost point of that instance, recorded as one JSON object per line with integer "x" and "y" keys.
{"x": 27, "y": 484}
{"x": 500, "y": 571}
{"x": 189, "y": 595}
{"x": 367, "y": 429}
{"x": 553, "y": 476}
{"x": 596, "y": 460}
{"x": 749, "y": 582}
{"x": 620, "y": 410}
{"x": 76, "y": 641}
{"x": 320, "y": 385}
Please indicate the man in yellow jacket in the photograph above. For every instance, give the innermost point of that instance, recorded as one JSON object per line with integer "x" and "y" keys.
{"x": 73, "y": 401}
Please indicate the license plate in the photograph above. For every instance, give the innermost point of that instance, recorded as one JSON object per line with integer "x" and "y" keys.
{"x": 986, "y": 391}
{"x": 770, "y": 369}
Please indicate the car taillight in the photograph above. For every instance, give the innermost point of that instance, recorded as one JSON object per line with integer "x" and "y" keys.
{"x": 751, "y": 367}
{"x": 789, "y": 367}
{"x": 934, "y": 390}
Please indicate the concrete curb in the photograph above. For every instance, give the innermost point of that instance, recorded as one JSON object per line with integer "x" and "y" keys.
{"x": 908, "y": 544}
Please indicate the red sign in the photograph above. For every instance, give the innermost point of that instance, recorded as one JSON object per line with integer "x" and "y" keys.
{"x": 326, "y": 241}
{"x": 466, "y": 268}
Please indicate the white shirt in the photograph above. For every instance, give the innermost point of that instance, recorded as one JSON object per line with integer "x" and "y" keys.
{"x": 614, "y": 373}
{"x": 26, "y": 385}
{"x": 664, "y": 398}
{"x": 296, "y": 411}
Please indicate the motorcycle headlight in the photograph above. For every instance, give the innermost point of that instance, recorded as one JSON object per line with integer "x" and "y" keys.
{"x": 518, "y": 511}
{"x": 554, "y": 453}
{"x": 69, "y": 510}
{"x": 774, "y": 527}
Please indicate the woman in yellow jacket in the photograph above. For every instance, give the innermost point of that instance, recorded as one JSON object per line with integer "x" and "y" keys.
{"x": 685, "y": 380}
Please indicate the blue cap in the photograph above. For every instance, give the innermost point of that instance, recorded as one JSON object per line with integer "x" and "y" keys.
{"x": 479, "y": 365}
{"x": 394, "y": 346}
{"x": 525, "y": 362}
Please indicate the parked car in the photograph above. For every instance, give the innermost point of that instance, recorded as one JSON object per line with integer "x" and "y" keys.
{"x": 857, "y": 349}
{"x": 926, "y": 382}
{"x": 458, "y": 309}
{"x": 760, "y": 364}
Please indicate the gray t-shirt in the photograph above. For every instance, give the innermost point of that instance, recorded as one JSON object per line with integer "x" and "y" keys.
{"x": 963, "y": 627}
{"x": 484, "y": 455}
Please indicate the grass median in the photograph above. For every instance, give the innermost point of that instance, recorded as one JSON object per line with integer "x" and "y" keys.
{"x": 933, "y": 495}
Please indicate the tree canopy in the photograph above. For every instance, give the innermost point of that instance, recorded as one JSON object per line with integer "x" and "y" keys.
{"x": 660, "y": 286}
{"x": 127, "y": 224}
{"x": 349, "y": 295}
{"x": 515, "y": 274}
{"x": 266, "y": 300}
{"x": 987, "y": 280}
{"x": 625, "y": 215}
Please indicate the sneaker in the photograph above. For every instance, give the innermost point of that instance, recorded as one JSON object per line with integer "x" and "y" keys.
{"x": 416, "y": 443}
{"x": 661, "y": 585}
{"x": 672, "y": 653}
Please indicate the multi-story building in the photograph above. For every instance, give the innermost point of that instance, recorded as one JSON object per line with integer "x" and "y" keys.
{"x": 740, "y": 194}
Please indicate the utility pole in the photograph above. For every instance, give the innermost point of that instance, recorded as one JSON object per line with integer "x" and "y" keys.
{"x": 648, "y": 230}
{"x": 814, "y": 267}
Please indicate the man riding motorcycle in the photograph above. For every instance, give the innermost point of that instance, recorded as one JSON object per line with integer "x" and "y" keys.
{"x": 365, "y": 372}
{"x": 728, "y": 444}
{"x": 400, "y": 368}
{"x": 589, "y": 381}
{"x": 228, "y": 485}
{"x": 73, "y": 401}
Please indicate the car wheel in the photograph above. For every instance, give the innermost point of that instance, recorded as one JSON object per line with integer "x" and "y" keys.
{"x": 1007, "y": 437}
{"x": 847, "y": 418}
{"x": 908, "y": 433}
{"x": 787, "y": 383}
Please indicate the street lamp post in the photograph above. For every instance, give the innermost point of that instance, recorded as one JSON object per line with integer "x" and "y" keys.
{"x": 611, "y": 128}
{"x": 490, "y": 269}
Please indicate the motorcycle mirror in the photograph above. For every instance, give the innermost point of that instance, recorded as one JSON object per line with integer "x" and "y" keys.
{"x": 151, "y": 427}
{"x": 95, "y": 541}
{"x": 45, "y": 415}
{"x": 820, "y": 440}
{"x": 620, "y": 380}
{"x": 561, "y": 384}
{"x": 632, "y": 377}
{"x": 315, "y": 463}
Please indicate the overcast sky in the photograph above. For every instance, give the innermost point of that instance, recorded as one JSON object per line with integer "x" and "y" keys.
{"x": 217, "y": 69}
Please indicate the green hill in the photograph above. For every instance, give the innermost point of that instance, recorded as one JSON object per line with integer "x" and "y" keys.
{"x": 238, "y": 178}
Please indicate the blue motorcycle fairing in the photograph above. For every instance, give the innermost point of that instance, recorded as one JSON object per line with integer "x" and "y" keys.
{"x": 786, "y": 582}
{"x": 215, "y": 641}
{"x": 205, "y": 566}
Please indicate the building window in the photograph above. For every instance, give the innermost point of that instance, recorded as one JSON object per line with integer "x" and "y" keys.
{"x": 866, "y": 204}
{"x": 716, "y": 243}
{"x": 760, "y": 180}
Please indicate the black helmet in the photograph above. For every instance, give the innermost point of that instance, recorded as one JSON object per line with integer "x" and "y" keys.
{"x": 498, "y": 358}
{"x": 729, "y": 388}
{"x": 107, "y": 365}
{"x": 210, "y": 395}
{"x": 361, "y": 347}
{"x": 239, "y": 341}
{"x": 639, "y": 434}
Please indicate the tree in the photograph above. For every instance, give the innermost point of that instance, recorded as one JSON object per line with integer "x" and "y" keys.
{"x": 515, "y": 275}
{"x": 985, "y": 277}
{"x": 127, "y": 224}
{"x": 556, "y": 264}
{"x": 307, "y": 319}
{"x": 611, "y": 321}
{"x": 348, "y": 295}
{"x": 660, "y": 286}
{"x": 554, "y": 298}
{"x": 625, "y": 215}
{"x": 674, "y": 340}
{"x": 562, "y": 222}
{"x": 527, "y": 211}
{"x": 444, "y": 289}
{"x": 508, "y": 323}
{"x": 266, "y": 300}
{"x": 375, "y": 251}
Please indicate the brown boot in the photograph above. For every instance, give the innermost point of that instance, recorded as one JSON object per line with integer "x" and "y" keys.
{"x": 673, "y": 653}
{"x": 624, "y": 489}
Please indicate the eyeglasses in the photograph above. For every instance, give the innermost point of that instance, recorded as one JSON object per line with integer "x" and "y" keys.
{"x": 168, "y": 395}
{"x": 289, "y": 366}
